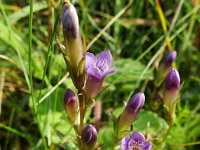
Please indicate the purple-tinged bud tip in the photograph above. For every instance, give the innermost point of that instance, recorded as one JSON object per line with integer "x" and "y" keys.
{"x": 131, "y": 110}
{"x": 136, "y": 103}
{"x": 71, "y": 105}
{"x": 170, "y": 58}
{"x": 166, "y": 66}
{"x": 89, "y": 136}
{"x": 69, "y": 19}
{"x": 172, "y": 81}
{"x": 172, "y": 84}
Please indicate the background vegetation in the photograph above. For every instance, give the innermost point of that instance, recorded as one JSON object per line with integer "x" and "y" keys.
{"x": 33, "y": 75}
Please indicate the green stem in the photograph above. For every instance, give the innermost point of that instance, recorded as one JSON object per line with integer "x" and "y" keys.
{"x": 168, "y": 130}
{"x": 78, "y": 136}
{"x": 115, "y": 139}
{"x": 82, "y": 109}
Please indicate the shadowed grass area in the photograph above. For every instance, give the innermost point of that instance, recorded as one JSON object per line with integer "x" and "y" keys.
{"x": 34, "y": 76}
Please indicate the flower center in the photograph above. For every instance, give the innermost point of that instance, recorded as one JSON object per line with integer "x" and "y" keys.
{"x": 102, "y": 65}
{"x": 135, "y": 145}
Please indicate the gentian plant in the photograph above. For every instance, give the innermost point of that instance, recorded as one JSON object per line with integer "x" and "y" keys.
{"x": 88, "y": 74}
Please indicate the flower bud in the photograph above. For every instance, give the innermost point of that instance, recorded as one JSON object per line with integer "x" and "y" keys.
{"x": 172, "y": 84}
{"x": 89, "y": 137}
{"x": 167, "y": 63}
{"x": 170, "y": 58}
{"x": 71, "y": 105}
{"x": 130, "y": 112}
{"x": 165, "y": 67}
{"x": 73, "y": 42}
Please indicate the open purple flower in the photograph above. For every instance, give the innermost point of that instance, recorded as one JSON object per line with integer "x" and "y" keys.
{"x": 135, "y": 142}
{"x": 97, "y": 68}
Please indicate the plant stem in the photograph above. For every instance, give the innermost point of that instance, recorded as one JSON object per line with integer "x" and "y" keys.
{"x": 168, "y": 131}
{"x": 115, "y": 139}
{"x": 78, "y": 136}
{"x": 82, "y": 113}
{"x": 81, "y": 107}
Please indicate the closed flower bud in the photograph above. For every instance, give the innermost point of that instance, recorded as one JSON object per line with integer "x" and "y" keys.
{"x": 73, "y": 42}
{"x": 165, "y": 67}
{"x": 167, "y": 63}
{"x": 71, "y": 105}
{"x": 89, "y": 137}
{"x": 172, "y": 84}
{"x": 170, "y": 58}
{"x": 130, "y": 112}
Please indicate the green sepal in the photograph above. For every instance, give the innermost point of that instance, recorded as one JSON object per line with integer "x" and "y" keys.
{"x": 84, "y": 43}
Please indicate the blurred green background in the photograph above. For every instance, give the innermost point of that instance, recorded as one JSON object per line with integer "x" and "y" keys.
{"x": 135, "y": 36}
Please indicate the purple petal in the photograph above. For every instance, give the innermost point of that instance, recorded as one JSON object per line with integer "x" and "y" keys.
{"x": 146, "y": 146}
{"x": 172, "y": 80}
{"x": 109, "y": 71}
{"x": 94, "y": 72}
{"x": 138, "y": 137}
{"x": 105, "y": 55}
{"x": 170, "y": 58}
{"x": 136, "y": 102}
{"x": 90, "y": 60}
{"x": 124, "y": 143}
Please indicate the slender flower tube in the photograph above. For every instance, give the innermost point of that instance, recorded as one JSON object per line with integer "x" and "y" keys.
{"x": 73, "y": 42}
{"x": 71, "y": 105}
{"x": 172, "y": 84}
{"x": 97, "y": 68}
{"x": 130, "y": 112}
{"x": 136, "y": 141}
{"x": 89, "y": 137}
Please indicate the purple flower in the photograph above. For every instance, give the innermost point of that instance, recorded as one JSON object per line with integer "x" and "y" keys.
{"x": 130, "y": 112}
{"x": 135, "y": 142}
{"x": 167, "y": 63}
{"x": 89, "y": 136}
{"x": 72, "y": 38}
{"x": 71, "y": 105}
{"x": 172, "y": 84}
{"x": 170, "y": 58}
{"x": 165, "y": 67}
{"x": 97, "y": 69}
